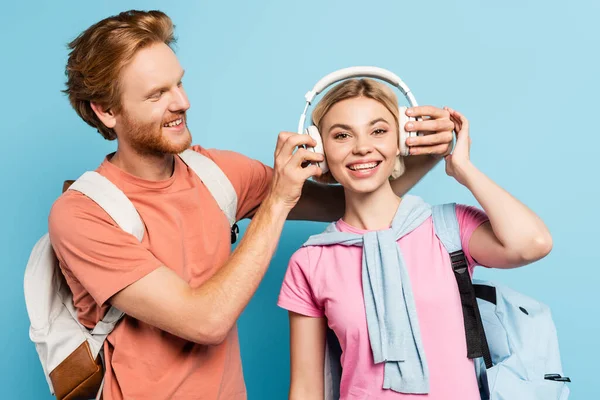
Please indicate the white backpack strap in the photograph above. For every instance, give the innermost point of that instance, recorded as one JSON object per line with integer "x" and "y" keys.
{"x": 215, "y": 180}
{"x": 446, "y": 226}
{"x": 104, "y": 193}
{"x": 99, "y": 395}
{"x": 116, "y": 204}
{"x": 107, "y": 324}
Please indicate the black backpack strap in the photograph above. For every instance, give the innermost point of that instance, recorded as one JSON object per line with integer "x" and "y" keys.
{"x": 447, "y": 230}
{"x": 477, "y": 345}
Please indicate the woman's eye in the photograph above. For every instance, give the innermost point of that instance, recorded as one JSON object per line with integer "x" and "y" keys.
{"x": 379, "y": 131}
{"x": 341, "y": 135}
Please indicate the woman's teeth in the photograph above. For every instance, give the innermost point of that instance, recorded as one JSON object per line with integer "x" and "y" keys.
{"x": 358, "y": 167}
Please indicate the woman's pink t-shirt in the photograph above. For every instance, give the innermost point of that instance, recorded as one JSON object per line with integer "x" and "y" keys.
{"x": 326, "y": 281}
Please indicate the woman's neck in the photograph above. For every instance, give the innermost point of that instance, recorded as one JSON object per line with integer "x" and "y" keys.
{"x": 371, "y": 211}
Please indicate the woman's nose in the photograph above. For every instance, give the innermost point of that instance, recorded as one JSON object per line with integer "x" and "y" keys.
{"x": 362, "y": 145}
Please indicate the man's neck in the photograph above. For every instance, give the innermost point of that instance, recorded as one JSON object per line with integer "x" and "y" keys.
{"x": 151, "y": 167}
{"x": 371, "y": 211}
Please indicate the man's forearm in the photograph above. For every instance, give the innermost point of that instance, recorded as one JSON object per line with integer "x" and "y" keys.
{"x": 416, "y": 168}
{"x": 229, "y": 291}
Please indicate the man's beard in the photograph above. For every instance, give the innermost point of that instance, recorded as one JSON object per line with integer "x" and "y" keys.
{"x": 148, "y": 139}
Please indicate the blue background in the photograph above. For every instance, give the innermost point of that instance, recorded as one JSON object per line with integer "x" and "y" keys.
{"x": 523, "y": 72}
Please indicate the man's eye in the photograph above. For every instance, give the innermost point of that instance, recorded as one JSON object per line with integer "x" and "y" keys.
{"x": 157, "y": 94}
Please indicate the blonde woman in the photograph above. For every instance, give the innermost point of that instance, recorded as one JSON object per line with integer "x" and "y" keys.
{"x": 416, "y": 348}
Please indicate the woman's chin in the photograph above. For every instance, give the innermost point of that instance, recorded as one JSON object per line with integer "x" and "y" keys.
{"x": 363, "y": 186}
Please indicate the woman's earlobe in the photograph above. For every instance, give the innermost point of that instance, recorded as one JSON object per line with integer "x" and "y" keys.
{"x": 399, "y": 168}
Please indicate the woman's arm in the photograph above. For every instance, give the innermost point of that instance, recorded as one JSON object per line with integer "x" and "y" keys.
{"x": 515, "y": 235}
{"x": 307, "y": 356}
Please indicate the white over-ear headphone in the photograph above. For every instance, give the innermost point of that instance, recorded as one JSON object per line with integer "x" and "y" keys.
{"x": 353, "y": 72}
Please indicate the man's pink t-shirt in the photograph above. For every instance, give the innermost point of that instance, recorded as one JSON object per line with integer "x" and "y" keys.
{"x": 325, "y": 281}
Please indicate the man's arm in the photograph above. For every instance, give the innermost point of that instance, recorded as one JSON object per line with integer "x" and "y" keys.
{"x": 325, "y": 203}
{"x": 207, "y": 313}
{"x": 416, "y": 168}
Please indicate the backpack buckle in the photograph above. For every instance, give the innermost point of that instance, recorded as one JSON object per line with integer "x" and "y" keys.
{"x": 234, "y": 233}
{"x": 458, "y": 261}
{"x": 557, "y": 378}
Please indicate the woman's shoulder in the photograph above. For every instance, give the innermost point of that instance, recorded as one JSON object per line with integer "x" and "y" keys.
{"x": 308, "y": 256}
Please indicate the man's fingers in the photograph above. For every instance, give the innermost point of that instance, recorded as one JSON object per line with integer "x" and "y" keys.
{"x": 292, "y": 142}
{"x": 432, "y": 140}
{"x": 437, "y": 149}
{"x": 431, "y": 125}
{"x": 312, "y": 170}
{"x": 303, "y": 155}
{"x": 281, "y": 138}
{"x": 302, "y": 166}
{"x": 434, "y": 112}
{"x": 285, "y": 136}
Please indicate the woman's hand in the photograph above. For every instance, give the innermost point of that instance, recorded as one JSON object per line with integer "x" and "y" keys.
{"x": 459, "y": 161}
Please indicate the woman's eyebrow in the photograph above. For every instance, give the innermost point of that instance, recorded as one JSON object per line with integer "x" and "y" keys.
{"x": 342, "y": 126}
{"x": 378, "y": 120}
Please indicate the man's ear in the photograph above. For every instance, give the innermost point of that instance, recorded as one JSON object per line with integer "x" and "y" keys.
{"x": 106, "y": 115}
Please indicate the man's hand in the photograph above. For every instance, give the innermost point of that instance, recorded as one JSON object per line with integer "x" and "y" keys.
{"x": 436, "y": 125}
{"x": 290, "y": 172}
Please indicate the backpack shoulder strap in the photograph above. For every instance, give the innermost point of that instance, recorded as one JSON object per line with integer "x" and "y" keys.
{"x": 445, "y": 224}
{"x": 218, "y": 185}
{"x": 116, "y": 204}
{"x": 104, "y": 193}
{"x": 215, "y": 180}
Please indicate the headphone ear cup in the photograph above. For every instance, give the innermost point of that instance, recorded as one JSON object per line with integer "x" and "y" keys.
{"x": 313, "y": 132}
{"x": 403, "y": 119}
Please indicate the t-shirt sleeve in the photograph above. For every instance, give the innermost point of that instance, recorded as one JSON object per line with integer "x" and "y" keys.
{"x": 250, "y": 178}
{"x": 93, "y": 250}
{"x": 469, "y": 219}
{"x": 296, "y": 293}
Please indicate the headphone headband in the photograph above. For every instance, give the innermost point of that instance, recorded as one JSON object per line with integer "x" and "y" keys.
{"x": 354, "y": 72}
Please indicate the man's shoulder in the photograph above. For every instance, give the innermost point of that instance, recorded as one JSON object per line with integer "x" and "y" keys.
{"x": 69, "y": 203}
{"x": 223, "y": 157}
{"x": 238, "y": 167}
{"x": 73, "y": 209}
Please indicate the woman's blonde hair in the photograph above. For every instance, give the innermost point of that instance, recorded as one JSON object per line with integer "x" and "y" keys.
{"x": 351, "y": 89}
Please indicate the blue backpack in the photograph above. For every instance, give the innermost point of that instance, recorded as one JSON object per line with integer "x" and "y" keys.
{"x": 510, "y": 337}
